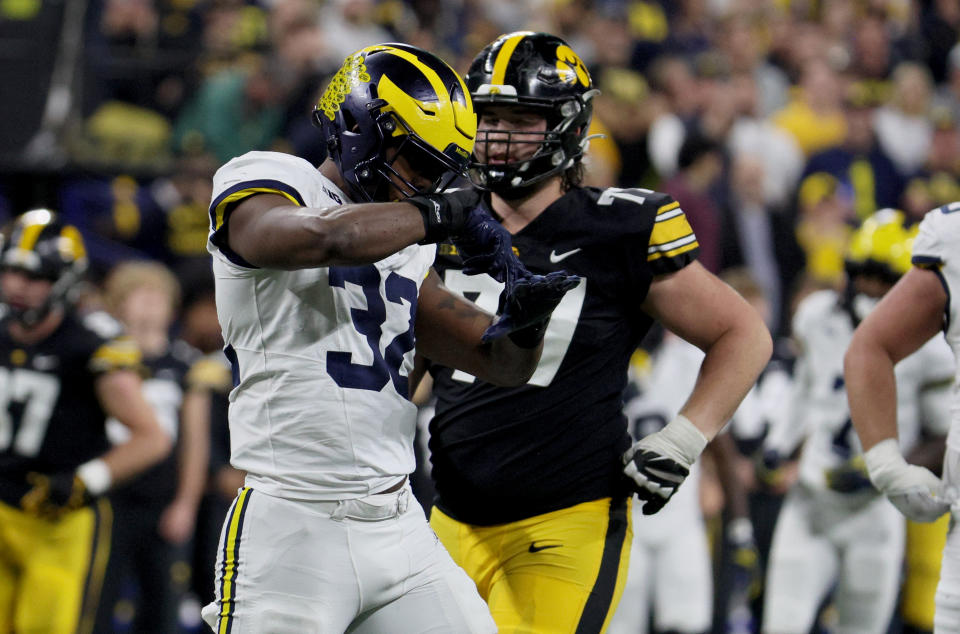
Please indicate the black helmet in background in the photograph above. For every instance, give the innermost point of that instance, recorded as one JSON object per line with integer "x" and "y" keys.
{"x": 43, "y": 247}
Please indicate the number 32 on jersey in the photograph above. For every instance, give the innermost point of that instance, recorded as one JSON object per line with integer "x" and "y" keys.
{"x": 484, "y": 291}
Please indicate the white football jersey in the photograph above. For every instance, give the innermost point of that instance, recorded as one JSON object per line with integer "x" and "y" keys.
{"x": 823, "y": 329}
{"x": 935, "y": 247}
{"x": 321, "y": 355}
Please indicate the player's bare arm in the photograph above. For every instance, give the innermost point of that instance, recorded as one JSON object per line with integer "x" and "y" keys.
{"x": 449, "y": 330}
{"x": 121, "y": 396}
{"x": 177, "y": 522}
{"x": 706, "y": 312}
{"x": 907, "y": 316}
{"x": 269, "y": 232}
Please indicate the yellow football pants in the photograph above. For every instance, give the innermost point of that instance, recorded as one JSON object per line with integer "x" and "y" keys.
{"x": 51, "y": 571}
{"x": 558, "y": 573}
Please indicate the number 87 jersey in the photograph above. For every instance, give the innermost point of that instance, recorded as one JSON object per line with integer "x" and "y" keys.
{"x": 562, "y": 434}
{"x": 50, "y": 418}
{"x": 320, "y": 356}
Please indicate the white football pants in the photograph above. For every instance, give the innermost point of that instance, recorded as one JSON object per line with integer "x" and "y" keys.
{"x": 367, "y": 565}
{"x": 824, "y": 538}
{"x": 670, "y": 569}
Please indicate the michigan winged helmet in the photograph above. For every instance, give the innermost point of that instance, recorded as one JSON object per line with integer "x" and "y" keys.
{"x": 391, "y": 103}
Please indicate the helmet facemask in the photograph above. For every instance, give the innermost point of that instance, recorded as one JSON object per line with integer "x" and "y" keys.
{"x": 558, "y": 147}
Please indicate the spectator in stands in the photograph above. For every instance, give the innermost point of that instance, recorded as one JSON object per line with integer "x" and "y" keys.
{"x": 858, "y": 163}
{"x": 903, "y": 126}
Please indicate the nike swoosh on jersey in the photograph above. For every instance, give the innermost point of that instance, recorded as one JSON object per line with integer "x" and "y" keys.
{"x": 557, "y": 257}
{"x": 533, "y": 545}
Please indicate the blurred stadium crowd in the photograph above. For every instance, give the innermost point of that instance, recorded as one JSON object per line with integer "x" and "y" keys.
{"x": 777, "y": 124}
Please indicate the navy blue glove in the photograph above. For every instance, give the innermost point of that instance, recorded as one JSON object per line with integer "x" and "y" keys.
{"x": 486, "y": 247}
{"x": 527, "y": 304}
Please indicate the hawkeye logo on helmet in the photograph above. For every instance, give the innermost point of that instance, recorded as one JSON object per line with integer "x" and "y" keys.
{"x": 351, "y": 74}
{"x": 570, "y": 67}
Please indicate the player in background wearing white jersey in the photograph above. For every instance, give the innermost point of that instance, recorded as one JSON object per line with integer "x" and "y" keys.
{"x": 671, "y": 570}
{"x": 319, "y": 299}
{"x": 835, "y": 531}
{"x": 923, "y": 303}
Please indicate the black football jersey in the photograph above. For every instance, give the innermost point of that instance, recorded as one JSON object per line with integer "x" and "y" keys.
{"x": 503, "y": 454}
{"x": 50, "y": 417}
{"x": 166, "y": 379}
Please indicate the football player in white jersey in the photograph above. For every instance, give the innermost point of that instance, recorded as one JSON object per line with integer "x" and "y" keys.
{"x": 324, "y": 285}
{"x": 835, "y": 531}
{"x": 911, "y": 315}
{"x": 670, "y": 567}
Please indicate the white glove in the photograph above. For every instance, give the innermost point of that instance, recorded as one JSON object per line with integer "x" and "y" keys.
{"x": 914, "y": 490}
{"x": 658, "y": 464}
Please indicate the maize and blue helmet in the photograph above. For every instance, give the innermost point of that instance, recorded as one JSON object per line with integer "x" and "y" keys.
{"x": 395, "y": 100}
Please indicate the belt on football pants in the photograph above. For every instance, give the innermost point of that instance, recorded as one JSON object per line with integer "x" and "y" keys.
{"x": 372, "y": 508}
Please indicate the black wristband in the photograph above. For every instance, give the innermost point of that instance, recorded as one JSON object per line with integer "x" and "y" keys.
{"x": 529, "y": 336}
{"x": 435, "y": 214}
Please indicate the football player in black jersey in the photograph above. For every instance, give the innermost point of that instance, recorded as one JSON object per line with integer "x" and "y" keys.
{"x": 155, "y": 513}
{"x": 61, "y": 376}
{"x": 533, "y": 481}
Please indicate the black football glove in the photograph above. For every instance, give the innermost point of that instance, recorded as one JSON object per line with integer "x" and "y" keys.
{"x": 527, "y": 304}
{"x": 658, "y": 463}
{"x": 444, "y": 215}
{"x": 849, "y": 477}
{"x": 52, "y": 495}
{"x": 656, "y": 477}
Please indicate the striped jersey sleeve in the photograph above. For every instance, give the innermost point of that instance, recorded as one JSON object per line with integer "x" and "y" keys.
{"x": 937, "y": 231}
{"x": 250, "y": 174}
{"x": 672, "y": 244}
{"x": 119, "y": 353}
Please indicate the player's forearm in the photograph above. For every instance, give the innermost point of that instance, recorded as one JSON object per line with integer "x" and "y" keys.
{"x": 730, "y": 368}
{"x": 508, "y": 364}
{"x": 121, "y": 395}
{"x": 871, "y": 390}
{"x": 725, "y": 455}
{"x": 500, "y": 362}
{"x": 194, "y": 446}
{"x": 145, "y": 448}
{"x": 297, "y": 238}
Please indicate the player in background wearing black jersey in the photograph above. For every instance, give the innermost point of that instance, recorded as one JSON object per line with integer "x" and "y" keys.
{"x": 532, "y": 494}
{"x": 156, "y": 512}
{"x": 61, "y": 376}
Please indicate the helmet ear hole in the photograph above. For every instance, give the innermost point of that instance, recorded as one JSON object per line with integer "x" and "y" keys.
{"x": 350, "y": 123}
